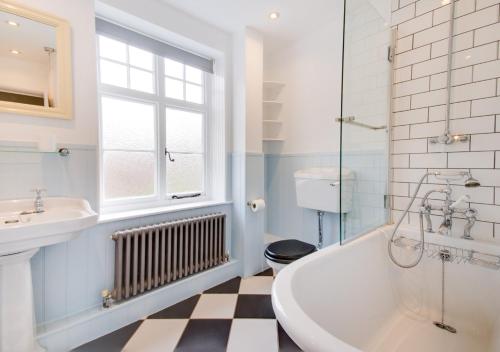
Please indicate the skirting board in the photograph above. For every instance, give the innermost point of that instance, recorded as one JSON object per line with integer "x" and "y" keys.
{"x": 74, "y": 331}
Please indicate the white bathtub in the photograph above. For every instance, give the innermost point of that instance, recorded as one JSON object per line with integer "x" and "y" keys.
{"x": 353, "y": 298}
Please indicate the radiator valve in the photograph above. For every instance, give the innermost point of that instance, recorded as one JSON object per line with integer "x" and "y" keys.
{"x": 107, "y": 298}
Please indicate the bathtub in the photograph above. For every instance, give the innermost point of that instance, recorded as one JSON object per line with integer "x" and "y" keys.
{"x": 353, "y": 298}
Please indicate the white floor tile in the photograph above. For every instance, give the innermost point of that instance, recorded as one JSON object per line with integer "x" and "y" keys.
{"x": 253, "y": 335}
{"x": 256, "y": 285}
{"x": 156, "y": 335}
{"x": 215, "y": 306}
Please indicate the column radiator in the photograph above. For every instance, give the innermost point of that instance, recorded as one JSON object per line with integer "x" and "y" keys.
{"x": 152, "y": 256}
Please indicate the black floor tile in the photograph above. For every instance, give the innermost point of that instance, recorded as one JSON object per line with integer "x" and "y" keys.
{"x": 268, "y": 272}
{"x": 230, "y": 286}
{"x": 254, "y": 306}
{"x": 113, "y": 342}
{"x": 181, "y": 310}
{"x": 286, "y": 344}
{"x": 205, "y": 335}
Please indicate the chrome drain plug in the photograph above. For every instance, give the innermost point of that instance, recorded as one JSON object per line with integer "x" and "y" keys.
{"x": 443, "y": 326}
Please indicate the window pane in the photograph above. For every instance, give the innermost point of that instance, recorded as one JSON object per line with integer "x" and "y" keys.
{"x": 194, "y": 93}
{"x": 141, "y": 80}
{"x": 184, "y": 131}
{"x": 128, "y": 174}
{"x": 174, "y": 69}
{"x": 194, "y": 75}
{"x": 113, "y": 73}
{"x": 127, "y": 125}
{"x": 140, "y": 58}
{"x": 174, "y": 88}
{"x": 112, "y": 49}
{"x": 185, "y": 175}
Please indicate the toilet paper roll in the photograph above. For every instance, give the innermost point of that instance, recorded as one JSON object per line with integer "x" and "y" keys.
{"x": 257, "y": 205}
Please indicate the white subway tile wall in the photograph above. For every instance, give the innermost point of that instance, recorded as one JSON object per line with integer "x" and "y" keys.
{"x": 419, "y": 98}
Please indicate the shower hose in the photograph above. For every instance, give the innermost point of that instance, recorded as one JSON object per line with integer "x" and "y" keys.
{"x": 422, "y": 237}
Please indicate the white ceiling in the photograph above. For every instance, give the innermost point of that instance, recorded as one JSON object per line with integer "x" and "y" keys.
{"x": 29, "y": 38}
{"x": 297, "y": 17}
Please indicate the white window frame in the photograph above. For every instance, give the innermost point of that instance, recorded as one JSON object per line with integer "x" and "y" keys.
{"x": 161, "y": 197}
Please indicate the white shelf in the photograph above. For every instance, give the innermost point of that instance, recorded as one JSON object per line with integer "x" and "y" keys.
{"x": 272, "y": 124}
{"x": 273, "y": 121}
{"x": 272, "y": 102}
{"x": 273, "y": 84}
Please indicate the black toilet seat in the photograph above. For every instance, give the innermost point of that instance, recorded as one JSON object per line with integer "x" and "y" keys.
{"x": 287, "y": 251}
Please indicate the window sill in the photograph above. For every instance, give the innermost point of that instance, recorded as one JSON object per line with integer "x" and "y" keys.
{"x": 138, "y": 213}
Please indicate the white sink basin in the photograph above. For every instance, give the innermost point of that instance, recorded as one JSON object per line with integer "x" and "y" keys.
{"x": 22, "y": 233}
{"x": 61, "y": 220}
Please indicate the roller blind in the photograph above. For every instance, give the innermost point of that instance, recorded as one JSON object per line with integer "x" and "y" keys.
{"x": 153, "y": 45}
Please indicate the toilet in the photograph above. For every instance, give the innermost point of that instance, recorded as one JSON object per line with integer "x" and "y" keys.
{"x": 317, "y": 189}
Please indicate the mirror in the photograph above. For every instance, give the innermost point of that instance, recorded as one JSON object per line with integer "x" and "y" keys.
{"x": 35, "y": 63}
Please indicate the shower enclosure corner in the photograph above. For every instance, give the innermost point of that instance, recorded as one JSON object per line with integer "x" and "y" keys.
{"x": 364, "y": 124}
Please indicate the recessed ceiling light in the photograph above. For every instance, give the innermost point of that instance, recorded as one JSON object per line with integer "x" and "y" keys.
{"x": 12, "y": 23}
{"x": 15, "y": 52}
{"x": 274, "y": 15}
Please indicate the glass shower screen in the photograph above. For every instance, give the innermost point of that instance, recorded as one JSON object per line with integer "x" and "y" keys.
{"x": 364, "y": 138}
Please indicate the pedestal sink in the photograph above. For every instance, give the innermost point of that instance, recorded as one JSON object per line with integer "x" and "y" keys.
{"x": 22, "y": 233}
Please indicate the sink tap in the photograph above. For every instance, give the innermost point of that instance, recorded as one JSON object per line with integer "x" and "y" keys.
{"x": 38, "y": 205}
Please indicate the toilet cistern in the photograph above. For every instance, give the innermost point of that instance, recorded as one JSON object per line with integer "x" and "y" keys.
{"x": 316, "y": 189}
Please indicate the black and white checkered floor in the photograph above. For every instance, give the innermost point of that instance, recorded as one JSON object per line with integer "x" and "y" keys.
{"x": 234, "y": 316}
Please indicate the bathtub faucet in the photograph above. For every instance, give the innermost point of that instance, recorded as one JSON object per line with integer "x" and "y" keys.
{"x": 448, "y": 208}
{"x": 426, "y": 207}
{"x": 425, "y": 210}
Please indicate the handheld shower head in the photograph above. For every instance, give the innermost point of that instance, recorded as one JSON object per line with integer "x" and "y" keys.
{"x": 471, "y": 182}
{"x": 448, "y": 175}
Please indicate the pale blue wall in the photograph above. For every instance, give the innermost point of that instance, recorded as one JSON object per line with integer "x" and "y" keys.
{"x": 284, "y": 218}
{"x": 69, "y": 277}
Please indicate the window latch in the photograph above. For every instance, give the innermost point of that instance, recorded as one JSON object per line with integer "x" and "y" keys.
{"x": 194, "y": 195}
{"x": 169, "y": 155}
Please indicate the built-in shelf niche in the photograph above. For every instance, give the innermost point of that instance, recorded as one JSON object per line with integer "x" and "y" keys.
{"x": 272, "y": 111}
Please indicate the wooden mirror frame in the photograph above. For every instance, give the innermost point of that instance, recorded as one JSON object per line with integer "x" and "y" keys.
{"x": 64, "y": 110}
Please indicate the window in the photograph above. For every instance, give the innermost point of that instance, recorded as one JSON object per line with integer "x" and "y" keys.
{"x": 153, "y": 119}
